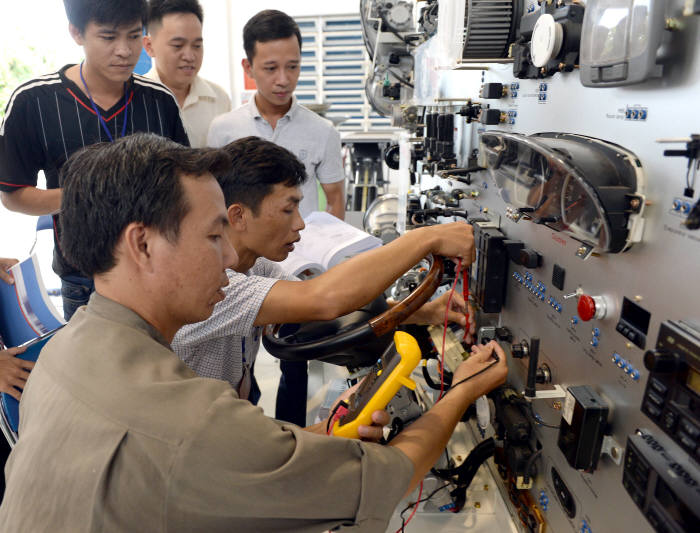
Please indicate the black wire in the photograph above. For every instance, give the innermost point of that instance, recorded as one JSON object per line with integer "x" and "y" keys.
{"x": 539, "y": 422}
{"x": 432, "y": 384}
{"x": 427, "y": 15}
{"x": 535, "y": 417}
{"x": 411, "y": 505}
{"x": 396, "y": 428}
{"x": 468, "y": 378}
{"x": 400, "y": 78}
{"x": 429, "y": 380}
{"x": 447, "y": 458}
{"x": 480, "y": 453}
{"x": 530, "y": 463}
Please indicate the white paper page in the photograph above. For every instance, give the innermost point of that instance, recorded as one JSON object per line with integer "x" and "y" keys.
{"x": 328, "y": 240}
{"x": 296, "y": 263}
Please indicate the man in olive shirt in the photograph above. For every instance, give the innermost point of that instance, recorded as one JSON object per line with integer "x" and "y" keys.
{"x": 117, "y": 434}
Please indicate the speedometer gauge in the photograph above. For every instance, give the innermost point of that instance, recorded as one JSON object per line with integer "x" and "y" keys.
{"x": 589, "y": 188}
{"x": 580, "y": 212}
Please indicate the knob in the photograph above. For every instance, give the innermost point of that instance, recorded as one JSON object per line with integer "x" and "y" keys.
{"x": 521, "y": 255}
{"x": 591, "y": 307}
{"x": 529, "y": 258}
{"x": 520, "y": 350}
{"x": 544, "y": 374}
{"x": 662, "y": 361}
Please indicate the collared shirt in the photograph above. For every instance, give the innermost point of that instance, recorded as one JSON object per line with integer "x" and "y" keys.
{"x": 226, "y": 344}
{"x": 49, "y": 118}
{"x": 117, "y": 435}
{"x": 311, "y": 138}
{"x": 205, "y": 101}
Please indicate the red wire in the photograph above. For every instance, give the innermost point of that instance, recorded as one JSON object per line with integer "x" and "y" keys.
{"x": 465, "y": 293}
{"x": 415, "y": 508}
{"x": 444, "y": 330}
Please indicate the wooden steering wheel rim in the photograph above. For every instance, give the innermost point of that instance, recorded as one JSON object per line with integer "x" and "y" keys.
{"x": 391, "y": 318}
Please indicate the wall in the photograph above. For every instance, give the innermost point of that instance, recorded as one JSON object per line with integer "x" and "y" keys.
{"x": 217, "y": 65}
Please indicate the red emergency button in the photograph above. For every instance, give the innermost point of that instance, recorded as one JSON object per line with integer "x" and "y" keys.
{"x": 591, "y": 307}
{"x": 586, "y": 307}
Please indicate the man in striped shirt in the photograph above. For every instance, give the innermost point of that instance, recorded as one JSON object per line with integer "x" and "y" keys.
{"x": 263, "y": 192}
{"x": 52, "y": 116}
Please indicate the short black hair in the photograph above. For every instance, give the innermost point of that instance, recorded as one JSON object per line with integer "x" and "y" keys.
{"x": 268, "y": 25}
{"x": 256, "y": 167}
{"x": 82, "y": 12}
{"x": 157, "y": 9}
{"x": 107, "y": 186}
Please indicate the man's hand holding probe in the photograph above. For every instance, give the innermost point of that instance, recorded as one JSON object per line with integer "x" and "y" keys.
{"x": 425, "y": 439}
{"x": 454, "y": 240}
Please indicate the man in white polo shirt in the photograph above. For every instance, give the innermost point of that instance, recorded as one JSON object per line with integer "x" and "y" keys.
{"x": 175, "y": 42}
{"x": 272, "y": 43}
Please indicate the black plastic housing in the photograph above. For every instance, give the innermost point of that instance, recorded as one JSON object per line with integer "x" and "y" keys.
{"x": 489, "y": 286}
{"x": 581, "y": 436}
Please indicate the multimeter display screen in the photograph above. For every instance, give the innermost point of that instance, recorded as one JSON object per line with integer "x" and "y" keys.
{"x": 369, "y": 387}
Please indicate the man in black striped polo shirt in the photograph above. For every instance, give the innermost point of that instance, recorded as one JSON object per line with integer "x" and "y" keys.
{"x": 50, "y": 117}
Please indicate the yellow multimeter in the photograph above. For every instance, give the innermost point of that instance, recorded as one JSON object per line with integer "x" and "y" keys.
{"x": 388, "y": 375}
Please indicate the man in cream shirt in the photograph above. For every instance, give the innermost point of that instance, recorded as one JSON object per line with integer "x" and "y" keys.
{"x": 175, "y": 42}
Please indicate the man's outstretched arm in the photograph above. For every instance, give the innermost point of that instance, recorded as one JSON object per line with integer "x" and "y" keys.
{"x": 357, "y": 281}
{"x": 33, "y": 201}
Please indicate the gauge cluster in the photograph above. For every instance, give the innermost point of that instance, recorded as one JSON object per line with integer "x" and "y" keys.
{"x": 585, "y": 187}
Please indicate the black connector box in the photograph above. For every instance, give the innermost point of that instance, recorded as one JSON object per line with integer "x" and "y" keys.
{"x": 582, "y": 428}
{"x": 490, "y": 271}
{"x": 490, "y": 117}
{"x": 491, "y": 91}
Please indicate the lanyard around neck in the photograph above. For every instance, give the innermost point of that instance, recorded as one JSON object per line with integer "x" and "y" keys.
{"x": 97, "y": 112}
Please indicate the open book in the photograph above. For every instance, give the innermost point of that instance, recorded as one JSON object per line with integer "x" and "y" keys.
{"x": 26, "y": 312}
{"x": 325, "y": 242}
{"x": 29, "y": 319}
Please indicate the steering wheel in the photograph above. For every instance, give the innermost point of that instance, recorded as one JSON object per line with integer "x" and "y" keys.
{"x": 355, "y": 339}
